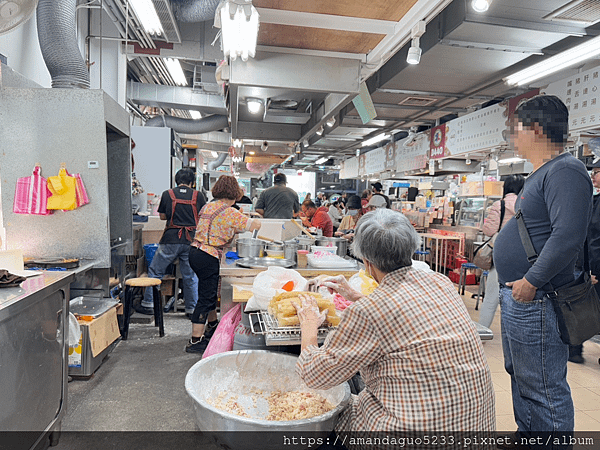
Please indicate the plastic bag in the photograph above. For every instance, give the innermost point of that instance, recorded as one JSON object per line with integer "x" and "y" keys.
{"x": 363, "y": 283}
{"x": 222, "y": 340}
{"x": 31, "y": 194}
{"x": 63, "y": 189}
{"x": 269, "y": 283}
{"x": 74, "y": 331}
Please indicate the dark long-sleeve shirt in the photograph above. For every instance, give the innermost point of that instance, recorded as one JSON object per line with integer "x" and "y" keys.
{"x": 556, "y": 205}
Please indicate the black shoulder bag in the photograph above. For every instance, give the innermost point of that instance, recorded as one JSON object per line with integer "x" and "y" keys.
{"x": 576, "y": 305}
{"x": 483, "y": 256}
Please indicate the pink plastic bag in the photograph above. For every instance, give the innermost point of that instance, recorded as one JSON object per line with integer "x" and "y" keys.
{"x": 222, "y": 340}
{"x": 31, "y": 194}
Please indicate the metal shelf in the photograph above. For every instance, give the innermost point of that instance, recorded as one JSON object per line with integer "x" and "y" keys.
{"x": 276, "y": 335}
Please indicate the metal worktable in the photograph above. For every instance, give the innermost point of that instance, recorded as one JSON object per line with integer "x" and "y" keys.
{"x": 33, "y": 356}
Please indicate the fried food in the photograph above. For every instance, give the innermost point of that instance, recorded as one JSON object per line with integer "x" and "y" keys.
{"x": 282, "y": 308}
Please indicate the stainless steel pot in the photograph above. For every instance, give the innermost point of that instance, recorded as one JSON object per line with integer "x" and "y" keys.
{"x": 276, "y": 246}
{"x": 239, "y": 373}
{"x": 249, "y": 247}
{"x": 340, "y": 243}
{"x": 290, "y": 249}
{"x": 304, "y": 243}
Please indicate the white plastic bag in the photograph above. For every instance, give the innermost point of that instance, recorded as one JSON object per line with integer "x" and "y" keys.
{"x": 74, "y": 331}
{"x": 269, "y": 283}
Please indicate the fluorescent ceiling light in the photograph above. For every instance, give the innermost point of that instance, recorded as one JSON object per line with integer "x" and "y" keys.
{"x": 195, "y": 114}
{"x": 556, "y": 63}
{"x": 254, "y": 105}
{"x": 176, "y": 71}
{"x": 375, "y": 140}
{"x": 510, "y": 160}
{"x": 239, "y": 29}
{"x": 146, "y": 13}
{"x": 214, "y": 154}
{"x": 481, "y": 5}
{"x": 322, "y": 160}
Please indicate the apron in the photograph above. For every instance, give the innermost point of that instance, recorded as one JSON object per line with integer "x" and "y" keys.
{"x": 177, "y": 201}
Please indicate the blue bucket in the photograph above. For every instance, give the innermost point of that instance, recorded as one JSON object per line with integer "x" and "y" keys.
{"x": 149, "y": 251}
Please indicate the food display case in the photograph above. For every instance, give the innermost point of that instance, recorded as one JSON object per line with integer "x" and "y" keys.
{"x": 473, "y": 210}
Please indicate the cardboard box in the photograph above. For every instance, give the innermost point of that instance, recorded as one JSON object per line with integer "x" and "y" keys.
{"x": 489, "y": 188}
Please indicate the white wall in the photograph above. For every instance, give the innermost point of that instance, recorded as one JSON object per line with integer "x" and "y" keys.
{"x": 302, "y": 184}
{"x": 152, "y": 156}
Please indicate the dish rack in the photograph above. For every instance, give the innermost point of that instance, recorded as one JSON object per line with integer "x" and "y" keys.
{"x": 276, "y": 335}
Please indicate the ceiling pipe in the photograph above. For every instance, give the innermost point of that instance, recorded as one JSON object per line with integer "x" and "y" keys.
{"x": 56, "y": 27}
{"x": 190, "y": 126}
{"x": 193, "y": 11}
{"x": 212, "y": 165}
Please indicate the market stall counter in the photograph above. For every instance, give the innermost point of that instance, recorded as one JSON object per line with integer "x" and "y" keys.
{"x": 33, "y": 355}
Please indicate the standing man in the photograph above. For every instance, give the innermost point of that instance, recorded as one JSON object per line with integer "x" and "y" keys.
{"x": 279, "y": 201}
{"x": 555, "y": 204}
{"x": 179, "y": 207}
{"x": 378, "y": 190}
{"x": 318, "y": 218}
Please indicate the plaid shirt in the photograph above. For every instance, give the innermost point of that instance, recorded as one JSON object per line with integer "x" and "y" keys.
{"x": 419, "y": 355}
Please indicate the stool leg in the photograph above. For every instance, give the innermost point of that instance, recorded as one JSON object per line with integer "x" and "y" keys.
{"x": 479, "y": 293}
{"x": 460, "y": 279}
{"x": 464, "y": 281}
{"x": 127, "y": 311}
{"x": 158, "y": 312}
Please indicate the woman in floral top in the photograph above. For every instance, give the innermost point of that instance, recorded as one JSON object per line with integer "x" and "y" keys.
{"x": 218, "y": 223}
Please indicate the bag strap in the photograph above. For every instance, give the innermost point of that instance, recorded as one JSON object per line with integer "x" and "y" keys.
{"x": 502, "y": 211}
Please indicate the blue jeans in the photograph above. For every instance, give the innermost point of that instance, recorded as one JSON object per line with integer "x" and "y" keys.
{"x": 536, "y": 359}
{"x": 165, "y": 255}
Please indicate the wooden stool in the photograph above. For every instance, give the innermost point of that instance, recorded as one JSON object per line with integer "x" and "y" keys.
{"x": 130, "y": 286}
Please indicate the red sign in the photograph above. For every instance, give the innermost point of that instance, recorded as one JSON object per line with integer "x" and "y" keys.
{"x": 437, "y": 142}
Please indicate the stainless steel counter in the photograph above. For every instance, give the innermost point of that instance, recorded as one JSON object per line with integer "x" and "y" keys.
{"x": 33, "y": 354}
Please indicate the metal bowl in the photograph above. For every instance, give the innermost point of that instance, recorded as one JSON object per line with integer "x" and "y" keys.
{"x": 241, "y": 372}
{"x": 250, "y": 247}
{"x": 340, "y": 243}
{"x": 264, "y": 263}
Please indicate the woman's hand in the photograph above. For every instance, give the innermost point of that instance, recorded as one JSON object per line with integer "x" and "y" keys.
{"x": 308, "y": 313}
{"x": 340, "y": 285}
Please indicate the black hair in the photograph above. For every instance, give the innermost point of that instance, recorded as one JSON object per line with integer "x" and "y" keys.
{"x": 280, "y": 178}
{"x": 185, "y": 176}
{"x": 309, "y": 204}
{"x": 354, "y": 202}
{"x": 513, "y": 184}
{"x": 549, "y": 112}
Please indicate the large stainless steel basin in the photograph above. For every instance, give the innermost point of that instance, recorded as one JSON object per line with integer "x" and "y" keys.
{"x": 241, "y": 372}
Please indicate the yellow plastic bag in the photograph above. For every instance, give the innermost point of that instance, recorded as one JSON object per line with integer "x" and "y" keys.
{"x": 63, "y": 189}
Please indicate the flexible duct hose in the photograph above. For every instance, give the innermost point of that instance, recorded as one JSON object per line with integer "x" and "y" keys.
{"x": 194, "y": 10}
{"x": 212, "y": 165}
{"x": 190, "y": 126}
{"x": 58, "y": 41}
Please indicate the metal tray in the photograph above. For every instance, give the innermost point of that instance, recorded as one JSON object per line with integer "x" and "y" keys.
{"x": 53, "y": 262}
{"x": 263, "y": 263}
{"x": 91, "y": 306}
{"x": 276, "y": 335}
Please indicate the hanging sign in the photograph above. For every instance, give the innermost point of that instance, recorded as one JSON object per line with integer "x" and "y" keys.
{"x": 375, "y": 161}
{"x": 349, "y": 168}
{"x": 390, "y": 156}
{"x": 361, "y": 165}
{"x": 437, "y": 146}
{"x": 413, "y": 153}
{"x": 581, "y": 95}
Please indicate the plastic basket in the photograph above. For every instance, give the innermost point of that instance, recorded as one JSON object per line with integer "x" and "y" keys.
{"x": 149, "y": 251}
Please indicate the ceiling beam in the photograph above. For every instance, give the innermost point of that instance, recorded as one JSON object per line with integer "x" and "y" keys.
{"x": 548, "y": 27}
{"x": 416, "y": 108}
{"x": 267, "y": 131}
{"x": 327, "y": 21}
{"x": 431, "y": 94}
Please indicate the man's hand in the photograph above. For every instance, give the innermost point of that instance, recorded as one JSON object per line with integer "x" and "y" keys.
{"x": 522, "y": 290}
{"x": 594, "y": 279}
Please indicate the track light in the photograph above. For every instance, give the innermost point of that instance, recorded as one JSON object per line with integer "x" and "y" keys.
{"x": 481, "y": 5}
{"x": 254, "y": 105}
{"x": 468, "y": 161}
{"x": 330, "y": 122}
{"x": 237, "y": 143}
{"x": 414, "y": 52}
{"x": 305, "y": 142}
{"x": 320, "y": 131}
{"x": 440, "y": 164}
{"x": 265, "y": 146}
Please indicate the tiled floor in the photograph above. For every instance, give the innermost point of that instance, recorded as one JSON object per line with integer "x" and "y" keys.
{"x": 584, "y": 380}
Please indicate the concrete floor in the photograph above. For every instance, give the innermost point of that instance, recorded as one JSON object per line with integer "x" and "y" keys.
{"x": 139, "y": 387}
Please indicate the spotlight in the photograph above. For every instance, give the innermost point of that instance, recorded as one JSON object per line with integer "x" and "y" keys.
{"x": 358, "y": 152}
{"x": 481, "y": 5}
{"x": 305, "y": 142}
{"x": 468, "y": 161}
{"x": 414, "y": 52}
{"x": 320, "y": 131}
{"x": 264, "y": 146}
{"x": 254, "y": 105}
{"x": 330, "y": 122}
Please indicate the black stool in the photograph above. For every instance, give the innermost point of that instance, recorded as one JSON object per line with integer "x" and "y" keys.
{"x": 130, "y": 286}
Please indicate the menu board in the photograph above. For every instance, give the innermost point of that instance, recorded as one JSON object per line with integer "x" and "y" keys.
{"x": 581, "y": 95}
{"x": 412, "y": 153}
{"x": 375, "y": 161}
{"x": 349, "y": 168}
{"x": 480, "y": 130}
{"x": 390, "y": 156}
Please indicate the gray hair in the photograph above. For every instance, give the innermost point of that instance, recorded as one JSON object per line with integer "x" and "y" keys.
{"x": 386, "y": 239}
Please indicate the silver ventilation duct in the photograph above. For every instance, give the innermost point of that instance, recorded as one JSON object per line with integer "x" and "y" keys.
{"x": 190, "y": 126}
{"x": 194, "y": 10}
{"x": 56, "y": 27}
{"x": 212, "y": 165}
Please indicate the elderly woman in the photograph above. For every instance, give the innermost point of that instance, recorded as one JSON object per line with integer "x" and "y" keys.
{"x": 349, "y": 221}
{"x": 218, "y": 222}
{"x": 412, "y": 340}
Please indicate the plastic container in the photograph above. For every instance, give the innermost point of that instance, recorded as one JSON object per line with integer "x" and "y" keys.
{"x": 149, "y": 251}
{"x": 275, "y": 253}
{"x": 322, "y": 248}
{"x": 302, "y": 258}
